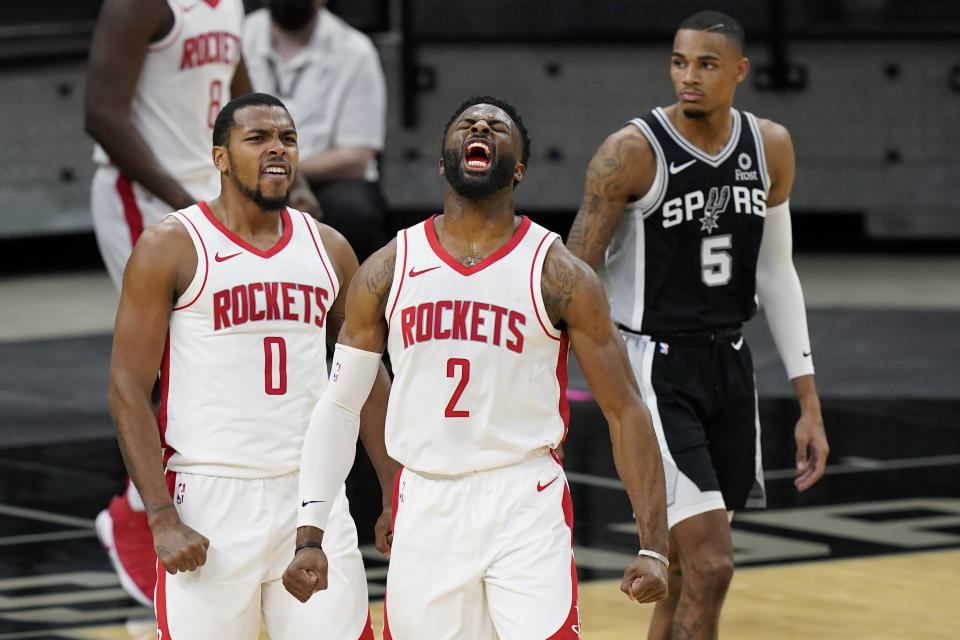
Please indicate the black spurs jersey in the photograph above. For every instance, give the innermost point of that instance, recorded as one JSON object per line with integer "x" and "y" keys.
{"x": 684, "y": 257}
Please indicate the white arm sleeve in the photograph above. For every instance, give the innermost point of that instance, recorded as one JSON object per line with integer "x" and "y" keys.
{"x": 780, "y": 295}
{"x": 331, "y": 440}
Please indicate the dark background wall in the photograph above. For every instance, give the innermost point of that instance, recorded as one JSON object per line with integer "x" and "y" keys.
{"x": 870, "y": 90}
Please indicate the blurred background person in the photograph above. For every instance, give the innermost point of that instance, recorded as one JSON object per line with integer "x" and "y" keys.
{"x": 329, "y": 76}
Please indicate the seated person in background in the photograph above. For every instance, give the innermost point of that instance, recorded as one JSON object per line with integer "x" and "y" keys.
{"x": 329, "y": 76}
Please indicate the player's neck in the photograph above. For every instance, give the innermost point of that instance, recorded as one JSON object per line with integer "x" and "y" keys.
{"x": 709, "y": 133}
{"x": 286, "y": 43}
{"x": 263, "y": 229}
{"x": 474, "y": 229}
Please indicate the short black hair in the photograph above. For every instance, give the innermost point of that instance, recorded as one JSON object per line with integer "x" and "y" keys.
{"x": 717, "y": 22}
{"x": 508, "y": 108}
{"x": 225, "y": 121}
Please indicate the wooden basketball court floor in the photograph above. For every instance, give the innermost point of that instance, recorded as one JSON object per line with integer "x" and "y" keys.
{"x": 873, "y": 551}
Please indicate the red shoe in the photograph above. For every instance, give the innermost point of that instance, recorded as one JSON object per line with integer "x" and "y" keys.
{"x": 126, "y": 537}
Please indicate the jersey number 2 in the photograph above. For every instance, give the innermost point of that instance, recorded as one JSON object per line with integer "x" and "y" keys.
{"x": 716, "y": 263}
{"x": 274, "y": 371}
{"x": 452, "y": 365}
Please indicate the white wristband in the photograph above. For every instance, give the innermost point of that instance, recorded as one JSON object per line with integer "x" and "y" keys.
{"x": 653, "y": 554}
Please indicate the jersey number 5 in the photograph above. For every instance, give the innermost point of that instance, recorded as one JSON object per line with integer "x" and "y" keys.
{"x": 452, "y": 365}
{"x": 716, "y": 263}
{"x": 274, "y": 369}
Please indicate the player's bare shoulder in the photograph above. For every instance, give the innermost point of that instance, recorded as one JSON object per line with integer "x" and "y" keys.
{"x": 567, "y": 283}
{"x": 776, "y": 138}
{"x": 781, "y": 162}
{"x": 376, "y": 272}
{"x": 623, "y": 165}
{"x": 340, "y": 252}
{"x": 164, "y": 251}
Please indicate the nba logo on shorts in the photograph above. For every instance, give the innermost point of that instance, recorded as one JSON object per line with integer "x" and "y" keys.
{"x": 664, "y": 348}
{"x": 181, "y": 487}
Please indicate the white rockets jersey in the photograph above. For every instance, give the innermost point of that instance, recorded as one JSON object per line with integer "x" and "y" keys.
{"x": 480, "y": 373}
{"x": 245, "y": 360}
{"x": 184, "y": 82}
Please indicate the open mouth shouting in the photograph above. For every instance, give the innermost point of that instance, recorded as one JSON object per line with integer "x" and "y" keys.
{"x": 478, "y": 155}
{"x": 276, "y": 170}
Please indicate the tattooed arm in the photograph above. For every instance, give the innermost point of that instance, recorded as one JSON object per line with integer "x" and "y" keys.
{"x": 330, "y": 442}
{"x": 621, "y": 171}
{"x": 574, "y": 298}
{"x": 374, "y": 411}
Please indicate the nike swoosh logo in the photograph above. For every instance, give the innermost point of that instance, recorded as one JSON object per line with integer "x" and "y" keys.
{"x": 220, "y": 258}
{"x": 675, "y": 169}
{"x": 306, "y": 502}
{"x": 806, "y": 354}
{"x": 413, "y": 273}
{"x": 736, "y": 345}
{"x": 541, "y": 487}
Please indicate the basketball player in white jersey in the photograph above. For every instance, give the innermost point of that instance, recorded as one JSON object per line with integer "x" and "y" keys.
{"x": 233, "y": 302}
{"x": 159, "y": 71}
{"x": 477, "y": 307}
{"x": 686, "y": 209}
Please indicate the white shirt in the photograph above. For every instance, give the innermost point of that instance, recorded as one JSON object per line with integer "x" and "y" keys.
{"x": 480, "y": 373}
{"x": 334, "y": 87}
{"x": 245, "y": 361}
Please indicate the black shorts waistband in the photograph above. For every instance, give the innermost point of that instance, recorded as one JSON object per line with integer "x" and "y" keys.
{"x": 706, "y": 337}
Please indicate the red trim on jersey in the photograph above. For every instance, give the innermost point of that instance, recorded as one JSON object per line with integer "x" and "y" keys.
{"x": 131, "y": 211}
{"x": 562, "y": 379}
{"x": 213, "y": 3}
{"x": 570, "y": 629}
{"x": 367, "y": 633}
{"x": 160, "y": 603}
{"x": 454, "y": 264}
{"x": 311, "y": 228}
{"x": 403, "y": 273}
{"x": 206, "y": 266}
{"x": 533, "y": 295}
{"x": 243, "y": 244}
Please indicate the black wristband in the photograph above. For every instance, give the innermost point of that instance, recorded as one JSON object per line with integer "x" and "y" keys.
{"x": 307, "y": 545}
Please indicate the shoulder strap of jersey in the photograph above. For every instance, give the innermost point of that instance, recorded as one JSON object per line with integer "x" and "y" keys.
{"x": 195, "y": 288}
{"x": 653, "y": 198}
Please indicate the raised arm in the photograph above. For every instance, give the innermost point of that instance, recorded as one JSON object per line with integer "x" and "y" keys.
{"x": 330, "y": 443}
{"x": 574, "y": 298}
{"x": 161, "y": 266}
{"x": 780, "y": 294}
{"x": 621, "y": 171}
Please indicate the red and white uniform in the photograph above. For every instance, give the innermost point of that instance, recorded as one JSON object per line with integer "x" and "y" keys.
{"x": 482, "y": 538}
{"x": 244, "y": 365}
{"x": 184, "y": 81}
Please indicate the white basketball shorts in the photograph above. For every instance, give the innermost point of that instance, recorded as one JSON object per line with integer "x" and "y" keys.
{"x": 251, "y": 525}
{"x": 482, "y": 556}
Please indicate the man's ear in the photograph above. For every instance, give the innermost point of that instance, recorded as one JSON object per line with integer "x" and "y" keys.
{"x": 440, "y": 165}
{"x": 220, "y": 158}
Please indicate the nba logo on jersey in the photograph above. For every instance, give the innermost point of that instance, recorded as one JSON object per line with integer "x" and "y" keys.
{"x": 181, "y": 487}
{"x": 664, "y": 348}
{"x": 336, "y": 373}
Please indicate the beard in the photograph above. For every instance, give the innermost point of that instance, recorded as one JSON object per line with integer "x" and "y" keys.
{"x": 695, "y": 114}
{"x": 475, "y": 187}
{"x": 256, "y": 194}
